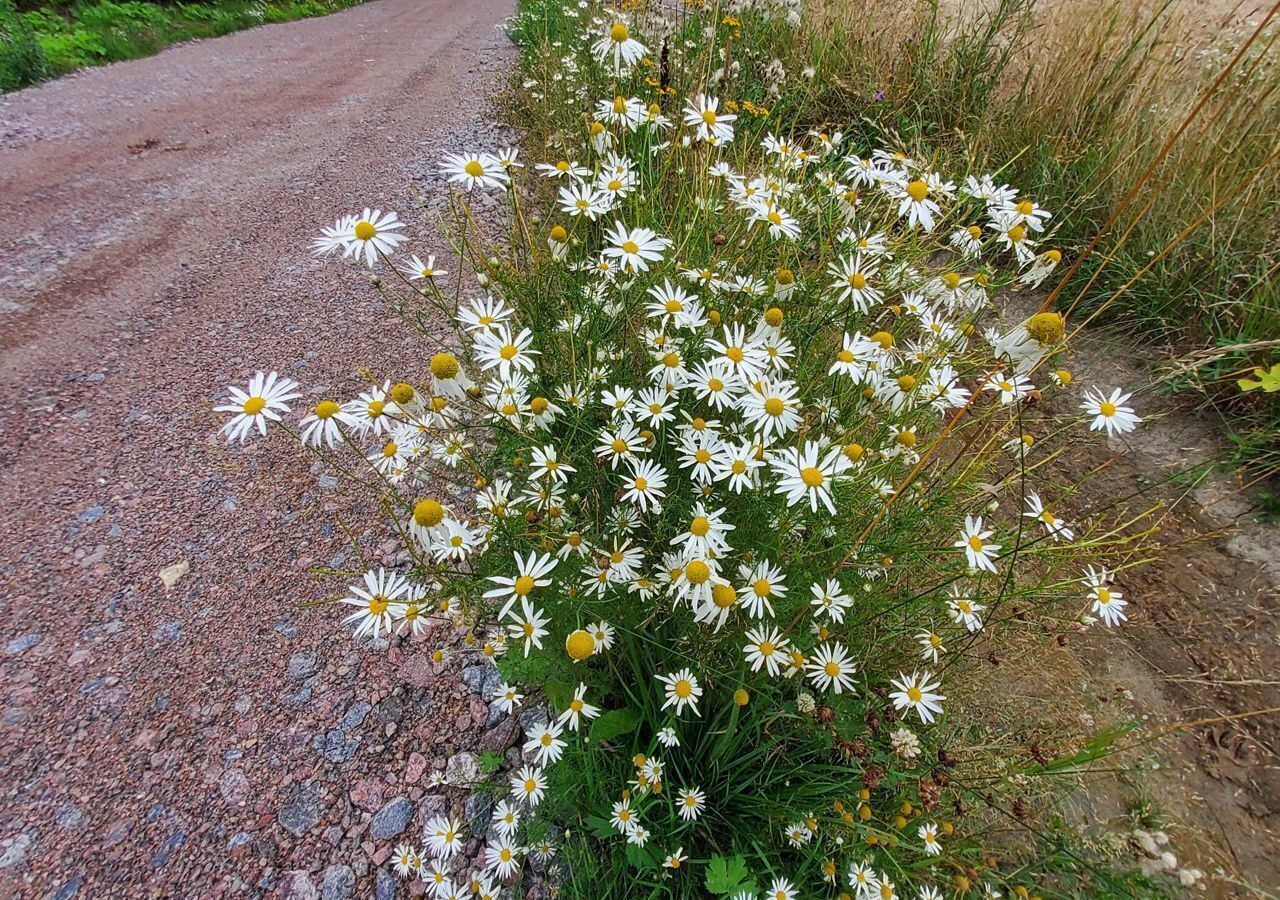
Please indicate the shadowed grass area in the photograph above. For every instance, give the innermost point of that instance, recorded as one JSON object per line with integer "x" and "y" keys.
{"x": 44, "y": 40}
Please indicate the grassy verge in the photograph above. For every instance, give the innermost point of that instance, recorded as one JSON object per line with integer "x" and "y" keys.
{"x": 1080, "y": 100}
{"x": 51, "y": 39}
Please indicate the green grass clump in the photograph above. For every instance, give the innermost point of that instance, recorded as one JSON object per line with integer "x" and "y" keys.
{"x": 54, "y": 38}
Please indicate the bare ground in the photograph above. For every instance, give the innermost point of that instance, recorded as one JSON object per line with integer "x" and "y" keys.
{"x": 209, "y": 738}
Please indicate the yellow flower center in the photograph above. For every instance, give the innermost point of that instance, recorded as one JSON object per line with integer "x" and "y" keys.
{"x": 508, "y": 352}
{"x": 474, "y": 169}
{"x": 975, "y": 542}
{"x": 715, "y": 384}
{"x": 630, "y": 247}
{"x": 702, "y": 455}
{"x": 917, "y": 190}
{"x": 857, "y": 281}
{"x": 735, "y": 354}
{"x": 683, "y": 689}
{"x": 580, "y": 645}
{"x": 444, "y": 365}
{"x": 254, "y": 405}
{"x": 812, "y": 476}
{"x": 832, "y": 669}
{"x": 697, "y": 572}
{"x": 914, "y": 694}
{"x": 378, "y": 605}
{"x": 700, "y": 525}
{"x": 1108, "y": 409}
{"x": 389, "y": 449}
{"x": 365, "y": 230}
{"x": 671, "y": 360}
{"x": 773, "y": 406}
{"x": 618, "y": 33}
{"x": 762, "y": 587}
{"x": 723, "y": 596}
{"x": 523, "y": 585}
{"x": 326, "y": 409}
{"x": 1025, "y": 208}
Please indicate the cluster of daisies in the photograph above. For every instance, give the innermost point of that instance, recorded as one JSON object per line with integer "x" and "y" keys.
{"x": 800, "y": 367}
{"x": 444, "y": 841}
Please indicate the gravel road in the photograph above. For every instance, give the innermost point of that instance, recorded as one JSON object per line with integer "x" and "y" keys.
{"x": 200, "y": 734}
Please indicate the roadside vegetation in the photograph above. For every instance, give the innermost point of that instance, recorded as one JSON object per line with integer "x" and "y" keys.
{"x": 42, "y": 39}
{"x": 1151, "y": 127}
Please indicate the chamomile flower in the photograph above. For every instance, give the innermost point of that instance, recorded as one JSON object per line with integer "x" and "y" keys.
{"x": 267, "y": 397}
{"x": 1057, "y": 529}
{"x": 766, "y": 647}
{"x": 739, "y": 466}
{"x": 374, "y": 601}
{"x": 531, "y": 572}
{"x": 930, "y": 645}
{"x": 371, "y": 233}
{"x": 764, "y": 583}
{"x": 1011, "y": 388}
{"x": 497, "y": 348}
{"x": 1110, "y": 412}
{"x": 634, "y": 248}
{"x": 475, "y": 170}
{"x": 667, "y": 737}
{"x": 547, "y": 465}
{"x": 681, "y": 690}
{"x": 706, "y": 534}
{"x": 584, "y": 200}
{"x": 529, "y": 785}
{"x": 691, "y": 803}
{"x": 623, "y": 817}
{"x": 676, "y": 859}
{"x": 443, "y": 835}
{"x": 484, "y": 313}
{"x": 1108, "y": 603}
{"x": 975, "y": 542}
{"x": 829, "y": 598}
{"x": 917, "y": 692}
{"x": 578, "y": 709}
{"x": 702, "y": 114}
{"x": 507, "y": 698}
{"x": 502, "y": 858}
{"x": 417, "y": 270}
{"x": 545, "y": 743}
{"x": 618, "y": 45}
{"x": 644, "y": 486}
{"x": 527, "y": 626}
{"x": 772, "y": 407}
{"x": 928, "y": 833}
{"x": 324, "y": 425}
{"x": 506, "y": 818}
{"x": 808, "y": 474}
{"x": 852, "y": 282}
{"x": 831, "y": 668}
{"x": 782, "y": 889}
{"x": 407, "y": 861}
{"x": 965, "y": 611}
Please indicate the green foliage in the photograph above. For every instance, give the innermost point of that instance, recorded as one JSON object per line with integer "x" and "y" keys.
{"x": 490, "y": 762}
{"x": 59, "y": 38}
{"x": 22, "y": 59}
{"x": 727, "y": 875}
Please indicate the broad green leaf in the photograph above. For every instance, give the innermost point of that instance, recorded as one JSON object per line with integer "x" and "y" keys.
{"x": 600, "y": 826}
{"x": 728, "y": 875}
{"x": 614, "y": 723}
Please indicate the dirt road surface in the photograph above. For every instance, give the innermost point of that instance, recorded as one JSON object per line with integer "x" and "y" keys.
{"x": 200, "y": 732}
